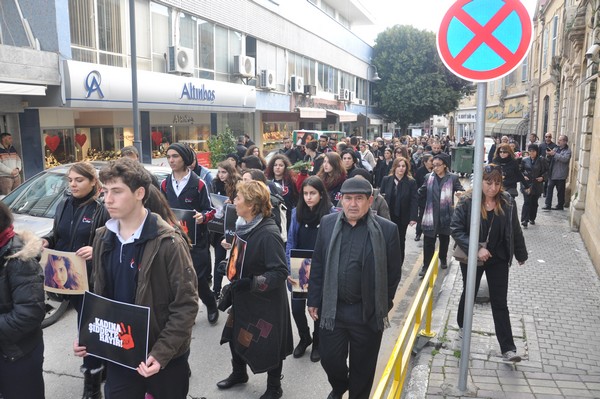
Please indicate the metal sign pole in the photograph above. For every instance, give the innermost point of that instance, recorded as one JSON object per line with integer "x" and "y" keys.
{"x": 473, "y": 237}
{"x": 137, "y": 140}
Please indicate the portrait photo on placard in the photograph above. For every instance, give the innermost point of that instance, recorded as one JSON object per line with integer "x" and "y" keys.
{"x": 64, "y": 272}
{"x": 300, "y": 262}
{"x": 236, "y": 259}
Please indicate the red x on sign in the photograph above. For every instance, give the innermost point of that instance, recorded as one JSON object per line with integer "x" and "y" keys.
{"x": 482, "y": 40}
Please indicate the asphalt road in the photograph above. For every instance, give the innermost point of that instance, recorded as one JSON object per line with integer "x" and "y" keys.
{"x": 210, "y": 362}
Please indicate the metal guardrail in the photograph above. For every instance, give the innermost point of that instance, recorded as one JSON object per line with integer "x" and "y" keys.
{"x": 392, "y": 381}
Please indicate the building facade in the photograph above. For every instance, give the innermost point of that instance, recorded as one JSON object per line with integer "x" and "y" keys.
{"x": 259, "y": 67}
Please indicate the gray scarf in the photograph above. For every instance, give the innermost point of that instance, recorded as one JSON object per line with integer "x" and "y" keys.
{"x": 330, "y": 283}
{"x": 243, "y": 229}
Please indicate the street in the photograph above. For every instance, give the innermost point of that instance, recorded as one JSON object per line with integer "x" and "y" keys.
{"x": 210, "y": 362}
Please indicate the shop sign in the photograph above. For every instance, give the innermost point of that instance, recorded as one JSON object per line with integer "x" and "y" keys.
{"x": 102, "y": 86}
{"x": 183, "y": 119}
{"x": 466, "y": 117}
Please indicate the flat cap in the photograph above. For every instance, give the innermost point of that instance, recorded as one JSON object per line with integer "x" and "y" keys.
{"x": 357, "y": 185}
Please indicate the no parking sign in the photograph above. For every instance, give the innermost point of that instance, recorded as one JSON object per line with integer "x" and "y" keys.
{"x": 482, "y": 40}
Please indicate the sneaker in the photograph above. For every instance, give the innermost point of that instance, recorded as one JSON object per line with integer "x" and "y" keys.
{"x": 524, "y": 224}
{"x": 443, "y": 264}
{"x": 511, "y": 356}
{"x": 546, "y": 208}
{"x": 418, "y": 237}
{"x": 532, "y": 222}
{"x": 558, "y": 208}
{"x": 423, "y": 271}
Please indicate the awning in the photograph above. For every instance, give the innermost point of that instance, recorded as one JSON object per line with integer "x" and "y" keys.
{"x": 311, "y": 113}
{"x": 511, "y": 126}
{"x": 489, "y": 126}
{"x": 375, "y": 119}
{"x": 22, "y": 90}
{"x": 344, "y": 116}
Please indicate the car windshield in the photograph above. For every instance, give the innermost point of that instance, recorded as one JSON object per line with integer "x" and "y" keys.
{"x": 38, "y": 196}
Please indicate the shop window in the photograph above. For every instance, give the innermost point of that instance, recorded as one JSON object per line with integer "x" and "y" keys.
{"x": 58, "y": 147}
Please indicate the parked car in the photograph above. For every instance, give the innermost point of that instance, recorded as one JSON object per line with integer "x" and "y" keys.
{"x": 33, "y": 205}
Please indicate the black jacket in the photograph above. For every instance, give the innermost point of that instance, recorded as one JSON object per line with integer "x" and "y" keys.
{"x": 533, "y": 169}
{"x": 381, "y": 170}
{"x": 461, "y": 223}
{"x": 511, "y": 172}
{"x": 405, "y": 207}
{"x": 394, "y": 266}
{"x": 22, "y": 306}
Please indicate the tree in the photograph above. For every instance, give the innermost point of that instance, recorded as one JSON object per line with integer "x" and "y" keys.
{"x": 220, "y": 146}
{"x": 415, "y": 83}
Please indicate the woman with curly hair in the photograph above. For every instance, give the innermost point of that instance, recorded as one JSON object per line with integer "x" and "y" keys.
{"x": 333, "y": 175}
{"x": 255, "y": 150}
{"x": 279, "y": 171}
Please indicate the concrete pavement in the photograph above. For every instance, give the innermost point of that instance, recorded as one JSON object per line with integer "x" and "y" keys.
{"x": 554, "y": 302}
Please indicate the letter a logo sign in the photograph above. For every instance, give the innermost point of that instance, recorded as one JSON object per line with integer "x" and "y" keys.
{"x": 482, "y": 40}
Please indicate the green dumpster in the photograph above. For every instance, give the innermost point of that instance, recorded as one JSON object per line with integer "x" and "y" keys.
{"x": 462, "y": 159}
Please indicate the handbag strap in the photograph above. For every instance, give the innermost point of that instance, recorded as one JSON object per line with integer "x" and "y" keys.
{"x": 490, "y": 228}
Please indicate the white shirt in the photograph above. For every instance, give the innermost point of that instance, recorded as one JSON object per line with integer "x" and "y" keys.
{"x": 114, "y": 226}
{"x": 179, "y": 185}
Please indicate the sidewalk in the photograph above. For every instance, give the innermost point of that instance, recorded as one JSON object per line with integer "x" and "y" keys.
{"x": 554, "y": 303}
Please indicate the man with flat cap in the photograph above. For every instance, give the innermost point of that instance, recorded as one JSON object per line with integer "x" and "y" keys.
{"x": 354, "y": 276}
{"x": 185, "y": 190}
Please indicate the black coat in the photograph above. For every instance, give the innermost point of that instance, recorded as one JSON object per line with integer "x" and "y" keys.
{"x": 405, "y": 207}
{"x": 511, "y": 172}
{"x": 22, "y": 307}
{"x": 381, "y": 170}
{"x": 394, "y": 264}
{"x": 533, "y": 169}
{"x": 515, "y": 242}
{"x": 261, "y": 316}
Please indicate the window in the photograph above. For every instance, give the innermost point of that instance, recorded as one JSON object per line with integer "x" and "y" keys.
{"x": 327, "y": 9}
{"x": 97, "y": 31}
{"x": 554, "y": 34}
{"x": 159, "y": 19}
{"x": 545, "y": 49}
{"x": 525, "y": 69}
{"x": 206, "y": 49}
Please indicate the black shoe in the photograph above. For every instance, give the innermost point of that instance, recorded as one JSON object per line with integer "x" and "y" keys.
{"x": 302, "y": 345}
{"x": 546, "y": 208}
{"x": 213, "y": 316}
{"x": 334, "y": 395}
{"x": 532, "y": 222}
{"x": 418, "y": 237}
{"x": 558, "y": 208}
{"x": 233, "y": 379}
{"x": 524, "y": 224}
{"x": 92, "y": 385}
{"x": 443, "y": 264}
{"x": 423, "y": 271}
{"x": 315, "y": 356}
{"x": 272, "y": 393}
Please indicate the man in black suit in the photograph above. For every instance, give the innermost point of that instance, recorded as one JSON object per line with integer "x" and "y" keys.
{"x": 354, "y": 276}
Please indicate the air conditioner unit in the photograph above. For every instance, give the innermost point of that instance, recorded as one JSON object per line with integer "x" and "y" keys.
{"x": 297, "y": 84}
{"x": 244, "y": 66}
{"x": 310, "y": 90}
{"x": 267, "y": 79}
{"x": 344, "y": 95}
{"x": 180, "y": 60}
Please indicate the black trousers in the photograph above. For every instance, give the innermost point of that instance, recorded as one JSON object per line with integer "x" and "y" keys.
{"x": 560, "y": 193}
{"x": 429, "y": 248}
{"x": 273, "y": 375}
{"x": 299, "y": 313}
{"x": 350, "y": 336}
{"x": 171, "y": 382}
{"x": 530, "y": 207}
{"x": 497, "y": 278}
{"x": 220, "y": 254}
{"x": 23, "y": 378}
{"x": 202, "y": 265}
{"x": 419, "y": 230}
{"x": 402, "y": 233}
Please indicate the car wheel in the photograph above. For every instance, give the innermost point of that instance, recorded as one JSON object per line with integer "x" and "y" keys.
{"x": 56, "y": 306}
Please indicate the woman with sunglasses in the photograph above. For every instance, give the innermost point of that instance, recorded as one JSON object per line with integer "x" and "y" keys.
{"x": 511, "y": 171}
{"x": 437, "y": 192}
{"x": 499, "y": 229}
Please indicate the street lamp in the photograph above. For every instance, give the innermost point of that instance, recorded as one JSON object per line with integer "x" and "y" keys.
{"x": 375, "y": 78}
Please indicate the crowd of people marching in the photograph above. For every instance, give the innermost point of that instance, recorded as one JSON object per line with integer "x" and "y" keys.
{"x": 350, "y": 202}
